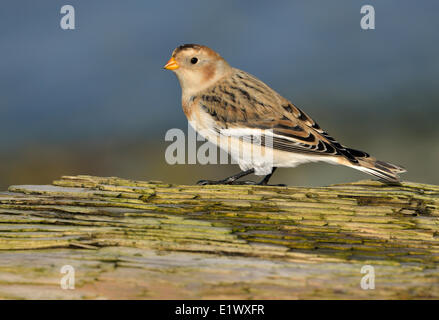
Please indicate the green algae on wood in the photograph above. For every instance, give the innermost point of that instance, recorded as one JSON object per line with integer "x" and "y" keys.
{"x": 149, "y": 239}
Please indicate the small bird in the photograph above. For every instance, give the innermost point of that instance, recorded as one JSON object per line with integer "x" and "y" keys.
{"x": 221, "y": 101}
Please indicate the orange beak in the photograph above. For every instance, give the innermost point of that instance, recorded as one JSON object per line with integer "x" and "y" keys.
{"x": 172, "y": 64}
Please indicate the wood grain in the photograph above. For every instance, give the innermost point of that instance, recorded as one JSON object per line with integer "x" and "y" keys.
{"x": 153, "y": 240}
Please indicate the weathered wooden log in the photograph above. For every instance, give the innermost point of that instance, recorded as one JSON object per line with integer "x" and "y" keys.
{"x": 145, "y": 240}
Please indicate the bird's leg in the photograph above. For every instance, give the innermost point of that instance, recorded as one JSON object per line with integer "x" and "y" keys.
{"x": 231, "y": 179}
{"x": 264, "y": 182}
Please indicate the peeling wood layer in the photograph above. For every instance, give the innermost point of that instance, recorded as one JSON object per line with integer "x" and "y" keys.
{"x": 153, "y": 240}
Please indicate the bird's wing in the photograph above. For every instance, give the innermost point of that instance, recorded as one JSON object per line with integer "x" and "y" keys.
{"x": 241, "y": 105}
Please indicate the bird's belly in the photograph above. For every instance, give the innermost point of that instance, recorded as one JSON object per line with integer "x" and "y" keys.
{"x": 250, "y": 155}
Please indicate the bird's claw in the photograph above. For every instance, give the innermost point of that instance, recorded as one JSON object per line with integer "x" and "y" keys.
{"x": 245, "y": 182}
{"x": 214, "y": 182}
{"x": 204, "y": 182}
{"x": 237, "y": 183}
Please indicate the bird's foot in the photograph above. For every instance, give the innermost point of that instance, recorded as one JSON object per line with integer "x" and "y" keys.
{"x": 261, "y": 183}
{"x": 225, "y": 181}
{"x": 238, "y": 183}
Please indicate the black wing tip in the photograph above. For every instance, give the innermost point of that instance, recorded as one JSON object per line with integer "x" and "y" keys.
{"x": 358, "y": 153}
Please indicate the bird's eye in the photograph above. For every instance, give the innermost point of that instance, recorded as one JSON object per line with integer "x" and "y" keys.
{"x": 194, "y": 60}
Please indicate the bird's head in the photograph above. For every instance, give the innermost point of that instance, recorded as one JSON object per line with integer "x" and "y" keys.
{"x": 197, "y": 67}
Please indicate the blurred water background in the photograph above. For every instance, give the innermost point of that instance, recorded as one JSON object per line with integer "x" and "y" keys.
{"x": 96, "y": 100}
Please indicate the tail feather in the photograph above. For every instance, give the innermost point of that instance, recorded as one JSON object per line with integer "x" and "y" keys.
{"x": 380, "y": 169}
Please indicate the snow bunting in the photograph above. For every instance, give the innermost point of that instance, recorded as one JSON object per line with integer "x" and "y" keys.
{"x": 221, "y": 101}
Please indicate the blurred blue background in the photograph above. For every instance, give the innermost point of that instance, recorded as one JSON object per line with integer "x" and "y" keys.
{"x": 95, "y": 100}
